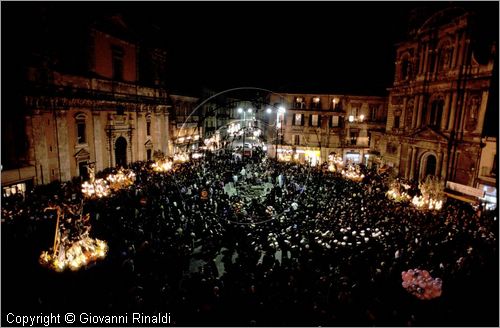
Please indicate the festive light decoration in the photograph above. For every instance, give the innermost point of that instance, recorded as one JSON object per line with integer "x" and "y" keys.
{"x": 120, "y": 180}
{"x": 75, "y": 255}
{"x": 397, "y": 192}
{"x": 421, "y": 202}
{"x": 432, "y": 197}
{"x": 181, "y": 158}
{"x": 162, "y": 166}
{"x": 353, "y": 173}
{"x": 72, "y": 253}
{"x": 100, "y": 188}
{"x": 103, "y": 187}
{"x": 420, "y": 284}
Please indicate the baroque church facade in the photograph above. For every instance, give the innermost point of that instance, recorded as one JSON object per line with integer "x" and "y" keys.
{"x": 437, "y": 106}
{"x": 111, "y": 113}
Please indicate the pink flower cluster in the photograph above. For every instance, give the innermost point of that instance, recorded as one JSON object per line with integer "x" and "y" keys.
{"x": 420, "y": 284}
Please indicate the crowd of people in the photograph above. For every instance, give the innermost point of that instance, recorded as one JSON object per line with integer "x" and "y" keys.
{"x": 315, "y": 249}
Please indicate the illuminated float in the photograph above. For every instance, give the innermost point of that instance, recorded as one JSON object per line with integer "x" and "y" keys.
{"x": 73, "y": 248}
{"x": 162, "y": 166}
{"x": 432, "y": 194}
{"x": 353, "y": 173}
{"x": 398, "y": 192}
{"x": 103, "y": 187}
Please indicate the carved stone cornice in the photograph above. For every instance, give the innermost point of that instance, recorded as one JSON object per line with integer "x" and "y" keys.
{"x": 50, "y": 102}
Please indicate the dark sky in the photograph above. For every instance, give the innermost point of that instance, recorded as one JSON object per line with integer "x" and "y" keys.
{"x": 285, "y": 46}
{"x": 324, "y": 47}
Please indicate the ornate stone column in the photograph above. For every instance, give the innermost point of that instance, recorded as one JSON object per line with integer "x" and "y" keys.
{"x": 451, "y": 121}
{"x": 157, "y": 142}
{"x": 408, "y": 162}
{"x": 426, "y": 59}
{"x": 40, "y": 147}
{"x": 455, "y": 52}
{"x": 98, "y": 139}
{"x": 140, "y": 134}
{"x": 446, "y": 111}
{"x": 444, "y": 167}
{"x": 415, "y": 112}
{"x": 412, "y": 164}
{"x": 63, "y": 145}
{"x": 438, "y": 163}
{"x": 419, "y": 115}
{"x": 166, "y": 130}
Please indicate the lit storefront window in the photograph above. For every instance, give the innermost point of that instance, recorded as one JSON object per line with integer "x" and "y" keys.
{"x": 19, "y": 188}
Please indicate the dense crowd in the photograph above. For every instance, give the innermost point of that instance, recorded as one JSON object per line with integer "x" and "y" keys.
{"x": 316, "y": 249}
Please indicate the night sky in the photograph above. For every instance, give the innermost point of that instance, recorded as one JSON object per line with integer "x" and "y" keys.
{"x": 323, "y": 47}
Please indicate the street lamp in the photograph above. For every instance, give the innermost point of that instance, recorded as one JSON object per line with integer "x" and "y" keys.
{"x": 279, "y": 125}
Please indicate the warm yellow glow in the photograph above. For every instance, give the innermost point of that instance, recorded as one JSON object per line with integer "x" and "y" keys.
{"x": 102, "y": 188}
{"x": 162, "y": 166}
{"x": 421, "y": 202}
{"x": 398, "y": 196}
{"x": 120, "y": 180}
{"x": 353, "y": 173}
{"x": 76, "y": 255}
{"x": 181, "y": 157}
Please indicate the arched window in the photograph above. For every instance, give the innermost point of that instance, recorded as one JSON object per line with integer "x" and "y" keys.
{"x": 405, "y": 68}
{"x": 445, "y": 53}
{"x": 81, "y": 128}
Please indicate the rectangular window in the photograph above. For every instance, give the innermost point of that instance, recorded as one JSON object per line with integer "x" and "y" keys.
{"x": 315, "y": 120}
{"x": 148, "y": 128}
{"x": 396, "y": 121}
{"x": 80, "y": 132}
{"x": 117, "y": 53}
{"x": 354, "y": 136}
{"x": 373, "y": 113}
{"x": 334, "y": 123}
{"x": 297, "y": 119}
{"x": 296, "y": 139}
{"x": 316, "y": 103}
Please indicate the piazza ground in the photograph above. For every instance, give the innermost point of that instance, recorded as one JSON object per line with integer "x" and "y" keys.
{"x": 315, "y": 249}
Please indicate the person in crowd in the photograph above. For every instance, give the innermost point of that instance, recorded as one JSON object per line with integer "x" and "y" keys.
{"x": 315, "y": 249}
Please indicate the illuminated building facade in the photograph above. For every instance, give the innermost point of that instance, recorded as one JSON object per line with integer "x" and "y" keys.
{"x": 440, "y": 103}
{"x": 314, "y": 126}
{"x": 186, "y": 130}
{"x": 110, "y": 108}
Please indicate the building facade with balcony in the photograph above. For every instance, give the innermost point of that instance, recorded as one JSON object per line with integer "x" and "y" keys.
{"x": 111, "y": 111}
{"x": 186, "y": 129}
{"x": 314, "y": 126}
{"x": 440, "y": 101}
